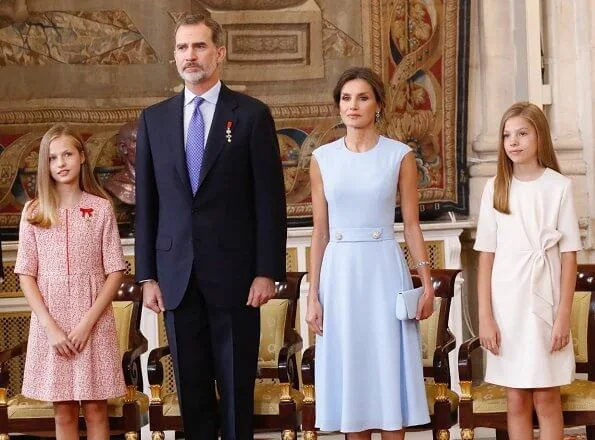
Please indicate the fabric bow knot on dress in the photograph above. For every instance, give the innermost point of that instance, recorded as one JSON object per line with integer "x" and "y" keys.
{"x": 542, "y": 293}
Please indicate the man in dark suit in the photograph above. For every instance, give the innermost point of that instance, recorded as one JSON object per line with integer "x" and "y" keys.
{"x": 210, "y": 231}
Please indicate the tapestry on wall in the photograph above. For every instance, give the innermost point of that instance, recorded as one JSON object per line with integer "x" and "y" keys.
{"x": 105, "y": 65}
{"x": 420, "y": 48}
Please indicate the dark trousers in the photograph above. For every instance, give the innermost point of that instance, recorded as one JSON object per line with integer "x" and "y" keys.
{"x": 209, "y": 344}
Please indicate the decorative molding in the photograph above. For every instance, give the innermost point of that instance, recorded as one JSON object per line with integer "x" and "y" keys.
{"x": 270, "y": 45}
{"x": 275, "y": 44}
{"x": 54, "y": 115}
{"x": 309, "y": 394}
{"x": 239, "y": 5}
{"x": 155, "y": 393}
{"x": 466, "y": 386}
{"x": 125, "y": 114}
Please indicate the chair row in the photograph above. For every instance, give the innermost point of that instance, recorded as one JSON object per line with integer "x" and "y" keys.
{"x": 282, "y": 402}
{"x": 277, "y": 395}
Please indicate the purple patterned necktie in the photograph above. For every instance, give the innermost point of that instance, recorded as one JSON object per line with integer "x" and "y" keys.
{"x": 195, "y": 144}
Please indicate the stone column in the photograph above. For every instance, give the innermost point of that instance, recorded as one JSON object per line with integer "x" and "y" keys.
{"x": 569, "y": 69}
{"x": 493, "y": 87}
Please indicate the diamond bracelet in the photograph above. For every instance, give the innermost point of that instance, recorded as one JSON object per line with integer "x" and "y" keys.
{"x": 421, "y": 264}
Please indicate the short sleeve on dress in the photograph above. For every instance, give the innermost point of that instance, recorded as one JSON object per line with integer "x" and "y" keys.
{"x": 487, "y": 227}
{"x": 318, "y": 155}
{"x": 113, "y": 258}
{"x": 27, "y": 260}
{"x": 404, "y": 150}
{"x": 568, "y": 223}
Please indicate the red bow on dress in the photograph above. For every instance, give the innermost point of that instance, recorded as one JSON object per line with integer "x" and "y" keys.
{"x": 87, "y": 212}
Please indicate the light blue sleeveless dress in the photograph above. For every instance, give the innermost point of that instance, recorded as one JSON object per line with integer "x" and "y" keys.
{"x": 369, "y": 372}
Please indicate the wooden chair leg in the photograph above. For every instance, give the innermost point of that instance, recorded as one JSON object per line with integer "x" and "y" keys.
{"x": 441, "y": 420}
{"x": 466, "y": 421}
{"x": 501, "y": 434}
{"x": 288, "y": 417}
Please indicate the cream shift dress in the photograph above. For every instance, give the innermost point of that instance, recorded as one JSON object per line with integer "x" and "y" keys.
{"x": 526, "y": 278}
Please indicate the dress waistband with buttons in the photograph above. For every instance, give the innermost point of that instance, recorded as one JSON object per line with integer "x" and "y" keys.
{"x": 341, "y": 235}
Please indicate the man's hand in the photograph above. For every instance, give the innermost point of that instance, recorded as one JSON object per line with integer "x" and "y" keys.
{"x": 152, "y": 297}
{"x": 261, "y": 291}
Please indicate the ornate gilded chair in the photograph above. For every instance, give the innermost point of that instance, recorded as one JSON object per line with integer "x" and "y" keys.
{"x": 437, "y": 343}
{"x": 277, "y": 400}
{"x": 127, "y": 414}
{"x": 484, "y": 405}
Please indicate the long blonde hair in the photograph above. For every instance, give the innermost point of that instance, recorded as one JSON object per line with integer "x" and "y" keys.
{"x": 43, "y": 210}
{"x": 546, "y": 156}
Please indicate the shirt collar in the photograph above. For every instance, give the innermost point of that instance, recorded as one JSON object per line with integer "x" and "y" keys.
{"x": 210, "y": 95}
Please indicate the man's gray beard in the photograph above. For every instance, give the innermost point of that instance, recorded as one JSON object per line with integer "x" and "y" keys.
{"x": 193, "y": 77}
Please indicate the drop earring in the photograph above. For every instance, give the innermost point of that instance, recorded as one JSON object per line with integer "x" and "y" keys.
{"x": 377, "y": 116}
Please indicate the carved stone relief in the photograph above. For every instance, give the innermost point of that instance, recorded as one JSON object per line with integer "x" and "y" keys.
{"x": 280, "y": 40}
{"x": 238, "y": 5}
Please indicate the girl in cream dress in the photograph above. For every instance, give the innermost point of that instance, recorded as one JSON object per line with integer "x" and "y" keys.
{"x": 528, "y": 237}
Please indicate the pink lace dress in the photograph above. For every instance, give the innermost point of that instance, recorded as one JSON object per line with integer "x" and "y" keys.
{"x": 70, "y": 262}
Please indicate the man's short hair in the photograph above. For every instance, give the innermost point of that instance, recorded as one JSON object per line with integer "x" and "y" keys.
{"x": 190, "y": 19}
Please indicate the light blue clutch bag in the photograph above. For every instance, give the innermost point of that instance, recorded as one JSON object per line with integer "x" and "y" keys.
{"x": 407, "y": 302}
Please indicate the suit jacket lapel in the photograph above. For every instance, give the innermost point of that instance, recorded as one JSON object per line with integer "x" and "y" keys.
{"x": 175, "y": 126}
{"x": 224, "y": 112}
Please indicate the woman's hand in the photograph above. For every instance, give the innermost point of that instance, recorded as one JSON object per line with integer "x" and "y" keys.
{"x": 489, "y": 334}
{"x": 314, "y": 314}
{"x": 59, "y": 341}
{"x": 560, "y": 333}
{"x": 80, "y": 335}
{"x": 425, "y": 306}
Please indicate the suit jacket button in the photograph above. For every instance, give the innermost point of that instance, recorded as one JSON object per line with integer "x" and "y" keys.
{"x": 338, "y": 236}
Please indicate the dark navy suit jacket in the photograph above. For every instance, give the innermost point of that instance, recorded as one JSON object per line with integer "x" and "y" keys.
{"x": 234, "y": 228}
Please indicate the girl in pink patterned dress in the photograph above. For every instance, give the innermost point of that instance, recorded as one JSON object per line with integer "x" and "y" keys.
{"x": 70, "y": 266}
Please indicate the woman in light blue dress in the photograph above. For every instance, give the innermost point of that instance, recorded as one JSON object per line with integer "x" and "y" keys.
{"x": 369, "y": 373}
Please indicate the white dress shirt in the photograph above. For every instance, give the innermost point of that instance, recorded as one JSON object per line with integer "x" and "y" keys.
{"x": 207, "y": 108}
